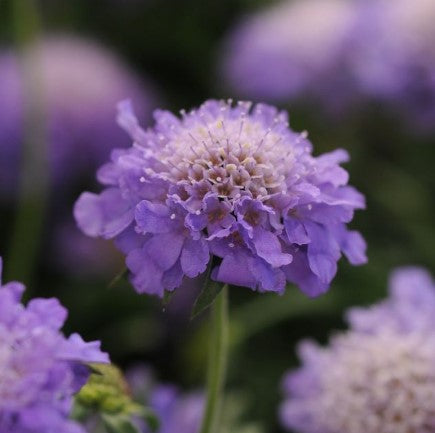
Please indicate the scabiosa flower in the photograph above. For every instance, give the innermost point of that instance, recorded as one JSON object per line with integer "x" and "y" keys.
{"x": 178, "y": 412}
{"x": 40, "y": 369}
{"x": 396, "y": 57}
{"x": 377, "y": 377}
{"x": 234, "y": 182}
{"x": 81, "y": 82}
{"x": 412, "y": 290}
{"x": 293, "y": 50}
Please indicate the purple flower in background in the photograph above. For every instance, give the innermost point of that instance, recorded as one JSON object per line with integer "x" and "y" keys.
{"x": 81, "y": 83}
{"x": 40, "y": 369}
{"x": 339, "y": 53}
{"x": 377, "y": 377}
{"x": 181, "y": 413}
{"x": 234, "y": 182}
{"x": 396, "y": 57}
{"x": 410, "y": 307}
{"x": 293, "y": 50}
{"x": 84, "y": 256}
{"x": 177, "y": 412}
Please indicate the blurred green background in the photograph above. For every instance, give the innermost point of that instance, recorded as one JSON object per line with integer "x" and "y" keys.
{"x": 175, "y": 43}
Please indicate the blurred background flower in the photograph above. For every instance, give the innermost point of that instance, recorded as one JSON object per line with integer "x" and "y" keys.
{"x": 176, "y": 411}
{"x": 340, "y": 54}
{"x": 294, "y": 50}
{"x": 377, "y": 377}
{"x": 182, "y": 411}
{"x": 395, "y": 61}
{"x": 81, "y": 83}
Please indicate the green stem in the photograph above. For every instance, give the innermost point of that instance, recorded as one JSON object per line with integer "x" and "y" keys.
{"x": 217, "y": 363}
{"x": 33, "y": 187}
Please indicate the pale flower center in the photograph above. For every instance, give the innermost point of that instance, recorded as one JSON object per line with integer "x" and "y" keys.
{"x": 231, "y": 157}
{"x": 383, "y": 383}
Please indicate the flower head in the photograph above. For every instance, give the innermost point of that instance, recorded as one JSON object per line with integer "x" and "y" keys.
{"x": 410, "y": 307}
{"x": 80, "y": 82}
{"x": 234, "y": 182}
{"x": 177, "y": 411}
{"x": 292, "y": 50}
{"x": 399, "y": 69}
{"x": 377, "y": 377}
{"x": 40, "y": 369}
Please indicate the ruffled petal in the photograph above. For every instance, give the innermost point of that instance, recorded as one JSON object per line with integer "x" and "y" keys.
{"x": 164, "y": 249}
{"x": 173, "y": 277}
{"x": 269, "y": 248}
{"x": 194, "y": 257}
{"x": 354, "y": 247}
{"x": 146, "y": 274}
{"x": 300, "y": 273}
{"x": 128, "y": 121}
{"x": 106, "y": 215}
{"x": 49, "y": 312}
{"x": 234, "y": 269}
{"x": 75, "y": 349}
{"x": 269, "y": 279}
{"x": 295, "y": 230}
{"x": 153, "y": 217}
{"x": 322, "y": 252}
{"x": 328, "y": 170}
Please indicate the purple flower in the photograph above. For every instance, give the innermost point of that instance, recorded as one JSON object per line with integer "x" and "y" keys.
{"x": 293, "y": 50}
{"x": 40, "y": 369}
{"x": 399, "y": 69}
{"x": 338, "y": 53}
{"x": 410, "y": 307}
{"x": 234, "y": 182}
{"x": 84, "y": 256}
{"x": 377, "y": 377}
{"x": 81, "y": 82}
{"x": 177, "y": 412}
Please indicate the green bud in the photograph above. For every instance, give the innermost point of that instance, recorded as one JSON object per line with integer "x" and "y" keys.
{"x": 106, "y": 391}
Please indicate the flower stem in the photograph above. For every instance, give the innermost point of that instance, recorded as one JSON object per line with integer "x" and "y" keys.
{"x": 217, "y": 363}
{"x": 33, "y": 187}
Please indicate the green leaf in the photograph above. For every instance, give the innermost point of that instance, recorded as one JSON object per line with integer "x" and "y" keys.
{"x": 119, "y": 424}
{"x": 117, "y": 278}
{"x": 208, "y": 294}
{"x": 167, "y": 298}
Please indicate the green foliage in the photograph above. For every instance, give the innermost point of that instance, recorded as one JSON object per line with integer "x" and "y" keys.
{"x": 208, "y": 293}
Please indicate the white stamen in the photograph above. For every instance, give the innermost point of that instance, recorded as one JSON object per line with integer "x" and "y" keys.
{"x": 192, "y": 137}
